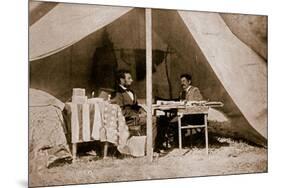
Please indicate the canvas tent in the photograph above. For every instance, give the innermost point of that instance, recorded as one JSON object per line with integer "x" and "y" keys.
{"x": 71, "y": 44}
{"x": 252, "y": 31}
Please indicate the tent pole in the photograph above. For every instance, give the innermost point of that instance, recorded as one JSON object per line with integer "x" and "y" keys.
{"x": 148, "y": 34}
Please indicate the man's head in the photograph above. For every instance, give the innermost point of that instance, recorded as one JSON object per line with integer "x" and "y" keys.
{"x": 125, "y": 78}
{"x": 185, "y": 81}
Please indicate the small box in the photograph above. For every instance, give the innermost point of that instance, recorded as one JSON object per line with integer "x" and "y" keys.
{"x": 78, "y": 92}
{"x": 79, "y": 99}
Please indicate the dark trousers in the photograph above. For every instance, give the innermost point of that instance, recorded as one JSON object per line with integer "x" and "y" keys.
{"x": 167, "y": 128}
{"x": 137, "y": 127}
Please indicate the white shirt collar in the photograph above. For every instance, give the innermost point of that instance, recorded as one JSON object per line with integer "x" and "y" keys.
{"x": 128, "y": 92}
{"x": 123, "y": 87}
{"x": 188, "y": 88}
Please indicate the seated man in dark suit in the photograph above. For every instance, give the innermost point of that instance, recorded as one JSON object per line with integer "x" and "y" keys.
{"x": 134, "y": 114}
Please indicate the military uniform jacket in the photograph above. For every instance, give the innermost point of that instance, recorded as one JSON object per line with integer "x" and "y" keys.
{"x": 192, "y": 94}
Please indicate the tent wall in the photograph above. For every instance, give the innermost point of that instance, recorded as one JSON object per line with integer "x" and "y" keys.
{"x": 188, "y": 58}
{"x": 242, "y": 72}
{"x": 191, "y": 58}
{"x": 128, "y": 37}
{"x": 72, "y": 67}
{"x": 250, "y": 29}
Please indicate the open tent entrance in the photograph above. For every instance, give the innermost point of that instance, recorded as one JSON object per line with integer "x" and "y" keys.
{"x": 85, "y": 51}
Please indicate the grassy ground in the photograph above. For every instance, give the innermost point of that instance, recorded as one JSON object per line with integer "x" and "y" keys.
{"x": 225, "y": 157}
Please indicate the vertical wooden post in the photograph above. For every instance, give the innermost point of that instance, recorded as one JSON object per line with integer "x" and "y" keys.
{"x": 148, "y": 34}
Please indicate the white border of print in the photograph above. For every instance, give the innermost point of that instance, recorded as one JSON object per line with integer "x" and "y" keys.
{"x": 14, "y": 82}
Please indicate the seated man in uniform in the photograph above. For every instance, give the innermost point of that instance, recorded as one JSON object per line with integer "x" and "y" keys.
{"x": 189, "y": 92}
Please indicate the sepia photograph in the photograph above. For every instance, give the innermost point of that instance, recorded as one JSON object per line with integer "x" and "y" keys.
{"x": 119, "y": 93}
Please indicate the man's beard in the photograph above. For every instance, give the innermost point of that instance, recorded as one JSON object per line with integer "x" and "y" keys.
{"x": 127, "y": 85}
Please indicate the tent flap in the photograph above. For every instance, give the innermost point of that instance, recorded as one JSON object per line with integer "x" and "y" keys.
{"x": 229, "y": 57}
{"x": 58, "y": 28}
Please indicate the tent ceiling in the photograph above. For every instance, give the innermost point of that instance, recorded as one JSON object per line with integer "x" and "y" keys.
{"x": 58, "y": 28}
{"x": 38, "y": 9}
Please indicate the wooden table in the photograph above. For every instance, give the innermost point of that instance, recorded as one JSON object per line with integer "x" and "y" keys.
{"x": 183, "y": 110}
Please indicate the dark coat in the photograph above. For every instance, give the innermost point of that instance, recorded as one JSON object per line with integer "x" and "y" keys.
{"x": 131, "y": 111}
{"x": 134, "y": 115}
{"x": 129, "y": 107}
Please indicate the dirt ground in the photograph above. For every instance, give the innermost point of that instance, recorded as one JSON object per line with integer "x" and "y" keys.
{"x": 225, "y": 157}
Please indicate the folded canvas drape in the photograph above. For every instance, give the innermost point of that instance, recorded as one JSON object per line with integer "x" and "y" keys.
{"x": 67, "y": 24}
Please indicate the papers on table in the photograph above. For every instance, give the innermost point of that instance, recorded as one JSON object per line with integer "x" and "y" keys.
{"x": 171, "y": 104}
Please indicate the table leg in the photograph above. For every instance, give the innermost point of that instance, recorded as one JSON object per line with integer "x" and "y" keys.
{"x": 105, "y": 150}
{"x": 206, "y": 134}
{"x": 179, "y": 130}
{"x": 74, "y": 151}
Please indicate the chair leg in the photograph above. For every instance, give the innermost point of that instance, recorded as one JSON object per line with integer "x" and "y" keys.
{"x": 191, "y": 143}
{"x": 167, "y": 139}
